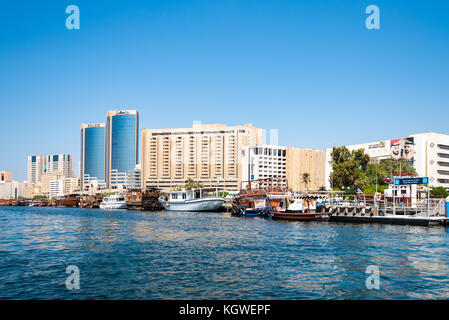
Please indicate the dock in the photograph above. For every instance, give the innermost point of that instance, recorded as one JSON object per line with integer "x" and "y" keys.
{"x": 393, "y": 219}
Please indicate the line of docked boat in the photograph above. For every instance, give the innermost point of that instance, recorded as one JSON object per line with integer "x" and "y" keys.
{"x": 271, "y": 198}
{"x": 268, "y": 198}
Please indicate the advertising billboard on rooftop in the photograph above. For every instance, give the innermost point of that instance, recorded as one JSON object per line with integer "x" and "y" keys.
{"x": 402, "y": 149}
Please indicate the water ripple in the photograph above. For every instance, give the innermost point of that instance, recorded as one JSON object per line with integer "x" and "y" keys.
{"x": 165, "y": 255}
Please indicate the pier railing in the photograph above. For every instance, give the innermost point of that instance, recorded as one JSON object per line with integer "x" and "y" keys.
{"x": 419, "y": 208}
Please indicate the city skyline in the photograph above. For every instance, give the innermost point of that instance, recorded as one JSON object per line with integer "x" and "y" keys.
{"x": 312, "y": 71}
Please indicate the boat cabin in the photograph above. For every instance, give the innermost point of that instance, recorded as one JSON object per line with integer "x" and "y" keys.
{"x": 181, "y": 196}
{"x": 114, "y": 198}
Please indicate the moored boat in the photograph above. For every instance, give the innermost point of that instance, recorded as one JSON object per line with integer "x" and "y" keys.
{"x": 71, "y": 201}
{"x": 260, "y": 197}
{"x": 143, "y": 200}
{"x": 113, "y": 202}
{"x": 304, "y": 208}
{"x": 190, "y": 200}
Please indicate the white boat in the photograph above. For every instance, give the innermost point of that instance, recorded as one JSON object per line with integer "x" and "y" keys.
{"x": 113, "y": 202}
{"x": 190, "y": 201}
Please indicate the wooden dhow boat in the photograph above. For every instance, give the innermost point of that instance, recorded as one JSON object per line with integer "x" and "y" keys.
{"x": 304, "y": 208}
{"x": 143, "y": 200}
{"x": 260, "y": 197}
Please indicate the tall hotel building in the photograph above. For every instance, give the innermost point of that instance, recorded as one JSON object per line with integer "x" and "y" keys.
{"x": 204, "y": 153}
{"x": 121, "y": 146}
{"x": 92, "y": 156}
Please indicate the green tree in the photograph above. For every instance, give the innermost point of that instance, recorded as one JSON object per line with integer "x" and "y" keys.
{"x": 439, "y": 192}
{"x": 352, "y": 170}
{"x": 191, "y": 184}
{"x": 306, "y": 178}
{"x": 39, "y": 196}
{"x": 347, "y": 166}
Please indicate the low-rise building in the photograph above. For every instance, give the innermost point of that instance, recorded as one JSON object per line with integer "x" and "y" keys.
{"x": 71, "y": 185}
{"x": 56, "y": 188}
{"x": 263, "y": 161}
{"x": 5, "y": 176}
{"x": 427, "y": 152}
{"x": 134, "y": 178}
{"x": 32, "y": 190}
{"x": 288, "y": 163}
{"x": 46, "y": 178}
{"x": 11, "y": 189}
{"x": 302, "y": 161}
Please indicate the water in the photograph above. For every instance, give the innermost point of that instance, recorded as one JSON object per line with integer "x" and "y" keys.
{"x": 167, "y": 255}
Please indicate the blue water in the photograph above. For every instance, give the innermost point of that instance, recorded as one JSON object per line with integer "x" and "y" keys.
{"x": 166, "y": 255}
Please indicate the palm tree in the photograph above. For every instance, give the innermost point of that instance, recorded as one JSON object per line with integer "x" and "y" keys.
{"x": 306, "y": 178}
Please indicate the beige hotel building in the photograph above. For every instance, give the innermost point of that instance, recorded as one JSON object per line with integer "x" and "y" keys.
{"x": 204, "y": 153}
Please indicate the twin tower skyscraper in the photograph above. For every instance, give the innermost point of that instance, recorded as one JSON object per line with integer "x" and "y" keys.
{"x": 109, "y": 150}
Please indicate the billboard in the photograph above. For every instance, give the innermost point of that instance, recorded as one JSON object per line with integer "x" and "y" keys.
{"x": 402, "y": 149}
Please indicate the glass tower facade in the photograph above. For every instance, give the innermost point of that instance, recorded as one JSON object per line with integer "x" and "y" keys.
{"x": 122, "y": 128}
{"x": 92, "y": 153}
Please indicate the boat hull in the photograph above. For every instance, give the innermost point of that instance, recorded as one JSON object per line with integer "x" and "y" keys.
{"x": 300, "y": 216}
{"x": 112, "y": 206}
{"x": 204, "y": 204}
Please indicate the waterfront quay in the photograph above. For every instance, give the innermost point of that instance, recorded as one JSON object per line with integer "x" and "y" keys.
{"x": 429, "y": 213}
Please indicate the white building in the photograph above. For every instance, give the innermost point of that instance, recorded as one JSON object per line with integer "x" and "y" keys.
{"x": 38, "y": 165}
{"x": 62, "y": 163}
{"x": 134, "y": 179}
{"x": 56, "y": 188}
{"x": 427, "y": 152}
{"x": 11, "y": 189}
{"x": 71, "y": 185}
{"x": 263, "y": 161}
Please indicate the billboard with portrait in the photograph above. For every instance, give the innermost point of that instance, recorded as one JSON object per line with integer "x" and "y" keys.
{"x": 402, "y": 149}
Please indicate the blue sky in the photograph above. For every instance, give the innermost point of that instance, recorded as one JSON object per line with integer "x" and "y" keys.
{"x": 308, "y": 68}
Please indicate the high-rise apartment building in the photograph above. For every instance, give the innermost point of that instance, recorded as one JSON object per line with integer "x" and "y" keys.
{"x": 92, "y": 156}
{"x": 206, "y": 153}
{"x": 37, "y": 165}
{"x": 62, "y": 163}
{"x": 122, "y": 146}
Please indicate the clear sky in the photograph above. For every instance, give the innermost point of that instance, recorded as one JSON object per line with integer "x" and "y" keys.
{"x": 311, "y": 69}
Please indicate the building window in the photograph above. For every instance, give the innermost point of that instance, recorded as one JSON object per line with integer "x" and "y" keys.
{"x": 443, "y": 146}
{"x": 443, "y": 155}
{"x": 445, "y": 172}
{"x": 443, "y": 164}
